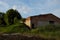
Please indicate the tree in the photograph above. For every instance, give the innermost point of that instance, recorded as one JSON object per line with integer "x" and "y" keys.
{"x": 2, "y": 21}
{"x": 12, "y": 14}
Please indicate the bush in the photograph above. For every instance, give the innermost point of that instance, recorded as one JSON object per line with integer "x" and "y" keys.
{"x": 16, "y": 28}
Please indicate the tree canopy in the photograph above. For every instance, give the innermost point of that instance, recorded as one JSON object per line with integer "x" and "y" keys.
{"x": 12, "y": 14}
{"x": 2, "y": 21}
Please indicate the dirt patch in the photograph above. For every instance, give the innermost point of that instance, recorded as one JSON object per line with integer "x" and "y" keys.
{"x": 22, "y": 37}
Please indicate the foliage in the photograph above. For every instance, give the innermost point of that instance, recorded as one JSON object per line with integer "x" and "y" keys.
{"x": 12, "y": 15}
{"x": 2, "y": 21}
{"x": 15, "y": 28}
{"x": 48, "y": 30}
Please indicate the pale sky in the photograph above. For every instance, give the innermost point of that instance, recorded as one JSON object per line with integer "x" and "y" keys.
{"x": 31, "y": 7}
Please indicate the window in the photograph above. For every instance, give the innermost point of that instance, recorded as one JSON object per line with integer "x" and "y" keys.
{"x": 51, "y": 22}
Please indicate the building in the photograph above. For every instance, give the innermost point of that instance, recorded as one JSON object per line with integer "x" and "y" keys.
{"x": 41, "y": 20}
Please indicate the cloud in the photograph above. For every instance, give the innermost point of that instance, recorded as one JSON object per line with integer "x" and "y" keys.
{"x": 22, "y": 8}
{"x": 56, "y": 12}
{"x": 51, "y": 3}
{"x": 4, "y": 4}
{"x": 32, "y": 7}
{"x": 45, "y": 4}
{"x": 25, "y": 9}
{"x": 14, "y": 7}
{"x": 35, "y": 7}
{"x": 49, "y": 6}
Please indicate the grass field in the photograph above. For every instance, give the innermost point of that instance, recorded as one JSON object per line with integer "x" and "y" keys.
{"x": 48, "y": 31}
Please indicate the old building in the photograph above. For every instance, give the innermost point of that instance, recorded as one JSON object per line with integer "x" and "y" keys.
{"x": 41, "y": 20}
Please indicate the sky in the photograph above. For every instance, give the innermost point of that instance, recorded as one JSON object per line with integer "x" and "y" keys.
{"x": 31, "y": 7}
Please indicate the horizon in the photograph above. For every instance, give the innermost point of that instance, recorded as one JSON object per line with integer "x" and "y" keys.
{"x": 31, "y": 7}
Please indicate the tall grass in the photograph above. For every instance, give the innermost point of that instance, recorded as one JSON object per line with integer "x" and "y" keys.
{"x": 46, "y": 31}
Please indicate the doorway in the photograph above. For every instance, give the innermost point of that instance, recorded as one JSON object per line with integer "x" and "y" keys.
{"x": 32, "y": 25}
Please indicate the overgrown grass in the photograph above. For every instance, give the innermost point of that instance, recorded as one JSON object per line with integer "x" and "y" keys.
{"x": 48, "y": 31}
{"x": 45, "y": 31}
{"x": 15, "y": 28}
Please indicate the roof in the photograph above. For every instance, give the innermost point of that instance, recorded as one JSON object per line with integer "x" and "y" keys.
{"x": 42, "y": 15}
{"x": 45, "y": 17}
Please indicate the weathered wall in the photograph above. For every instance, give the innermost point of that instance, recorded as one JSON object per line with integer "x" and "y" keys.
{"x": 44, "y": 20}
{"x": 28, "y": 22}
{"x": 42, "y": 23}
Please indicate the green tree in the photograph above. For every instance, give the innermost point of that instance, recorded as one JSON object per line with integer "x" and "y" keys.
{"x": 2, "y": 21}
{"x": 12, "y": 14}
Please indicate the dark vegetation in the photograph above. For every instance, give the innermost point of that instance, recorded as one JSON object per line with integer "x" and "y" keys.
{"x": 12, "y": 22}
{"x": 2, "y": 22}
{"x": 10, "y": 17}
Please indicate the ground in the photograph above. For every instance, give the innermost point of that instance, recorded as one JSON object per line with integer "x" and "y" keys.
{"x": 45, "y": 32}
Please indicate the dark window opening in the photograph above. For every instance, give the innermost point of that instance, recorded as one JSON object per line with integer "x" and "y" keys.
{"x": 32, "y": 25}
{"x": 51, "y": 22}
